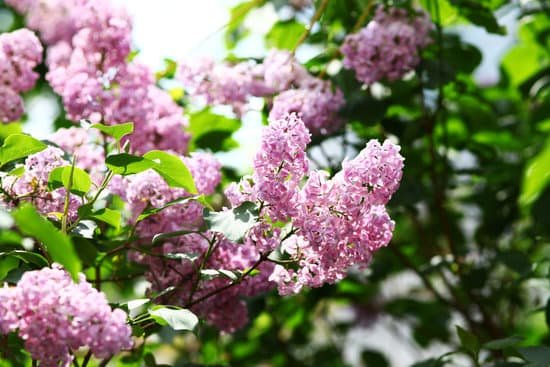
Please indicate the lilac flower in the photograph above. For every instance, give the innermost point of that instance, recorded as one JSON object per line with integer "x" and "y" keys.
{"x": 280, "y": 165}
{"x": 20, "y": 53}
{"x": 53, "y": 315}
{"x": 11, "y": 105}
{"x": 317, "y": 106}
{"x": 387, "y": 48}
{"x": 33, "y": 184}
{"x": 222, "y": 83}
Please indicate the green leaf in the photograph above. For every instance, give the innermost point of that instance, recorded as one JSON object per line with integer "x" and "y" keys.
{"x": 516, "y": 260}
{"x": 170, "y": 167}
{"x": 235, "y": 30}
{"x": 163, "y": 236}
{"x": 7, "y": 264}
{"x": 499, "y": 139}
{"x": 17, "y": 146}
{"x": 27, "y": 257}
{"x": 173, "y": 170}
{"x": 535, "y": 177}
{"x": 468, "y": 341}
{"x": 539, "y": 356}
{"x": 176, "y": 318}
{"x": 233, "y": 223}
{"x": 127, "y": 164}
{"x": 105, "y": 215}
{"x": 17, "y": 171}
{"x": 152, "y": 211}
{"x": 170, "y": 69}
{"x": 211, "y": 131}
{"x": 9, "y": 237}
{"x": 137, "y": 303}
{"x": 285, "y": 35}
{"x": 57, "y": 244}
{"x": 503, "y": 343}
{"x": 60, "y": 177}
{"x": 116, "y": 131}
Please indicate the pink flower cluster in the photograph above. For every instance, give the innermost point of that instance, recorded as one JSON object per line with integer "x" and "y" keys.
{"x": 318, "y": 105}
{"x": 53, "y": 315}
{"x": 20, "y": 53}
{"x": 279, "y": 166}
{"x": 33, "y": 184}
{"x": 280, "y": 75}
{"x": 342, "y": 221}
{"x": 89, "y": 43}
{"x": 222, "y": 83}
{"x": 175, "y": 262}
{"x": 388, "y": 47}
{"x": 337, "y": 223}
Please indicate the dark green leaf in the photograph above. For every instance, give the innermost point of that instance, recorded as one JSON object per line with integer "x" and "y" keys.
{"x": 516, "y": 261}
{"x": 27, "y": 257}
{"x": 539, "y": 356}
{"x": 503, "y": 343}
{"x": 7, "y": 264}
{"x": 479, "y": 14}
{"x": 468, "y": 341}
{"x": 211, "y": 131}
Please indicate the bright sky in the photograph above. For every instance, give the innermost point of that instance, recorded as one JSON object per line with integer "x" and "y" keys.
{"x": 178, "y": 29}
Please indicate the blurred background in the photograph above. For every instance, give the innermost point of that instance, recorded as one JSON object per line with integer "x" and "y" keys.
{"x": 472, "y": 219}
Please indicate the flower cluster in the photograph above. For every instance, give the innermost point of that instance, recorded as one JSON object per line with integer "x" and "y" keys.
{"x": 33, "y": 184}
{"x": 89, "y": 43}
{"x": 337, "y": 223}
{"x": 53, "y": 315}
{"x": 20, "y": 53}
{"x": 318, "y": 107}
{"x": 342, "y": 221}
{"x": 387, "y": 48}
{"x": 280, "y": 75}
{"x": 279, "y": 166}
{"x": 222, "y": 83}
{"x": 175, "y": 262}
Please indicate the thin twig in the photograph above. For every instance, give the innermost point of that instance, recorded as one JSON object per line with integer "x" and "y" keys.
{"x": 230, "y": 285}
{"x": 67, "y": 198}
{"x": 314, "y": 19}
{"x": 364, "y": 15}
{"x": 86, "y": 359}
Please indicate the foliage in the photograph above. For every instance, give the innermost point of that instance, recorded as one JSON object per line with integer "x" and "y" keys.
{"x": 467, "y": 268}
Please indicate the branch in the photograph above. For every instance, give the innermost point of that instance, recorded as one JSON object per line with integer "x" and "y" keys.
{"x": 238, "y": 281}
{"x": 315, "y": 18}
